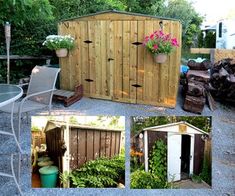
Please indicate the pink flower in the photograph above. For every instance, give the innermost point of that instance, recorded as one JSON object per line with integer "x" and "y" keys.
{"x": 161, "y": 33}
{"x": 174, "y": 42}
{"x": 155, "y": 46}
{"x": 146, "y": 38}
{"x": 152, "y": 36}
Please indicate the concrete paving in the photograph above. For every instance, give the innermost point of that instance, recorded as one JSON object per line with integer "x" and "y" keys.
{"x": 189, "y": 184}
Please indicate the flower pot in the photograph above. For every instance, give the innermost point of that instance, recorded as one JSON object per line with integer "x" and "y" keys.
{"x": 160, "y": 58}
{"x": 63, "y": 52}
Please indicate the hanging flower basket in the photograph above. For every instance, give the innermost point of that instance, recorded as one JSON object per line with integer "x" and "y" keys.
{"x": 62, "y": 52}
{"x": 160, "y": 58}
{"x": 160, "y": 45}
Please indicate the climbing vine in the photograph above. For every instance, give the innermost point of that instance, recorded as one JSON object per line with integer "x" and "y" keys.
{"x": 158, "y": 160}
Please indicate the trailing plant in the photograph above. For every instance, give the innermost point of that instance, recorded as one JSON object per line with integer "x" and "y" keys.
{"x": 145, "y": 180}
{"x": 158, "y": 160}
{"x": 54, "y": 42}
{"x": 99, "y": 173}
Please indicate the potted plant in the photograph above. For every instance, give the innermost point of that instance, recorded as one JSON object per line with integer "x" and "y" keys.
{"x": 60, "y": 43}
{"x": 160, "y": 45}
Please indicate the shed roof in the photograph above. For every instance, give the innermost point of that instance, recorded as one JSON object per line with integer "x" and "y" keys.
{"x": 53, "y": 124}
{"x": 173, "y": 124}
{"x": 119, "y": 12}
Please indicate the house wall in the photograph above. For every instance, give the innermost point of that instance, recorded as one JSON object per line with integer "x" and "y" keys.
{"x": 111, "y": 63}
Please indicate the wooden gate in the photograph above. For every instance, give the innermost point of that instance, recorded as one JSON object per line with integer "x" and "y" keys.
{"x": 111, "y": 62}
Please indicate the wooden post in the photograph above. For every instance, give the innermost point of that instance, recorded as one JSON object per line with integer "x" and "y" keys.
{"x": 146, "y": 159}
{"x": 8, "y": 40}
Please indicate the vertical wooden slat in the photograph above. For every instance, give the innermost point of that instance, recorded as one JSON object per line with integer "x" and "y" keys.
{"x": 97, "y": 144}
{"x": 148, "y": 66}
{"x": 118, "y": 39}
{"x": 97, "y": 66}
{"x": 133, "y": 61}
{"x": 102, "y": 143}
{"x": 64, "y": 62}
{"x": 117, "y": 142}
{"x": 111, "y": 56}
{"x": 107, "y": 144}
{"x": 85, "y": 57}
{"x": 72, "y": 58}
{"x": 78, "y": 70}
{"x": 103, "y": 55}
{"x": 126, "y": 58}
{"x": 113, "y": 143}
{"x": 92, "y": 56}
{"x": 140, "y": 60}
{"x": 81, "y": 147}
{"x": 73, "y": 148}
{"x": 89, "y": 145}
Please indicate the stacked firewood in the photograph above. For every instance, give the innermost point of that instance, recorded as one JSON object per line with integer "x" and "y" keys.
{"x": 223, "y": 80}
{"x": 198, "y": 78}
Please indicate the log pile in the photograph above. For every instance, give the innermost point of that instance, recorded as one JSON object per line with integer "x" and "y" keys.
{"x": 198, "y": 78}
{"x": 222, "y": 82}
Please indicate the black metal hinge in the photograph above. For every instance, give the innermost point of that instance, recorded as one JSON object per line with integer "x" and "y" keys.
{"x": 136, "y": 85}
{"x": 88, "y": 41}
{"x": 89, "y": 80}
{"x": 137, "y": 43}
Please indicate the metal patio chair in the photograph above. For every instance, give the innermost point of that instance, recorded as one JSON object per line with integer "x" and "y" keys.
{"x": 38, "y": 96}
{"x": 13, "y": 174}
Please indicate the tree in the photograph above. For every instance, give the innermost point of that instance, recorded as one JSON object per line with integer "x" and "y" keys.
{"x": 31, "y": 21}
{"x": 150, "y": 7}
{"x": 190, "y": 19}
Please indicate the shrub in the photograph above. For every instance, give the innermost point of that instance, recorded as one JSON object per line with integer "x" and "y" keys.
{"x": 99, "y": 173}
{"x": 144, "y": 180}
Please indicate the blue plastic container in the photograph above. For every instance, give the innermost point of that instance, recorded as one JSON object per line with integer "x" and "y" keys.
{"x": 49, "y": 176}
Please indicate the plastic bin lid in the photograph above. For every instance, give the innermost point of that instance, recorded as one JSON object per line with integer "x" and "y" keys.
{"x": 48, "y": 170}
{"x": 45, "y": 163}
{"x": 44, "y": 159}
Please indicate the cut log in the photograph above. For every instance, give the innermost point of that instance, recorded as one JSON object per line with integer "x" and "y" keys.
{"x": 201, "y": 76}
{"x": 204, "y": 65}
{"x": 194, "y": 104}
{"x": 211, "y": 101}
{"x": 223, "y": 73}
{"x": 195, "y": 89}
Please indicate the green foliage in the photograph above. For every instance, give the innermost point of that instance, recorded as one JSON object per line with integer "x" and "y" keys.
{"x": 158, "y": 161}
{"x": 35, "y": 128}
{"x": 144, "y": 180}
{"x": 99, "y": 173}
{"x": 205, "y": 175}
{"x": 150, "y": 7}
{"x": 190, "y": 19}
{"x": 196, "y": 178}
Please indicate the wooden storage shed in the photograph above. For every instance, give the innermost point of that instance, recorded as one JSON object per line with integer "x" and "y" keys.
{"x": 111, "y": 62}
{"x": 185, "y": 148}
{"x": 70, "y": 146}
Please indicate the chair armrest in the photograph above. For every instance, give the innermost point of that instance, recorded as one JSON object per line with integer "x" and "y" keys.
{"x": 24, "y": 84}
{"x": 32, "y": 95}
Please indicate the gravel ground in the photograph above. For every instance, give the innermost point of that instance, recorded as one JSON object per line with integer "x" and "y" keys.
{"x": 223, "y": 148}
